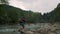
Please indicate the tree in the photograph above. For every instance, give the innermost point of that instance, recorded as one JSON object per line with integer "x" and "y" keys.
{"x": 3, "y": 1}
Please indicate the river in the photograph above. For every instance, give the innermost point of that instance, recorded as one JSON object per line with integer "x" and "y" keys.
{"x": 44, "y": 27}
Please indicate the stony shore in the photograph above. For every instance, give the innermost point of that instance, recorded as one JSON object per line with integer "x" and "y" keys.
{"x": 37, "y": 28}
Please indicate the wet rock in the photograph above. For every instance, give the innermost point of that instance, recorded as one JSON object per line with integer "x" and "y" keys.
{"x": 43, "y": 28}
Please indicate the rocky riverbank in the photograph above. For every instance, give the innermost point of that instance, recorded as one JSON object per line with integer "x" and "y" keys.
{"x": 36, "y": 28}
{"x": 42, "y": 28}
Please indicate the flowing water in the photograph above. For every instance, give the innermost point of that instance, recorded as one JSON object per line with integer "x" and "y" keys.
{"x": 13, "y": 29}
{"x": 8, "y": 29}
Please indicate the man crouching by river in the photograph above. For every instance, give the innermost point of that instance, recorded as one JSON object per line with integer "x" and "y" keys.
{"x": 22, "y": 22}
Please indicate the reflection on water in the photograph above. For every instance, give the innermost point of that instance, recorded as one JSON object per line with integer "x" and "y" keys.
{"x": 8, "y": 29}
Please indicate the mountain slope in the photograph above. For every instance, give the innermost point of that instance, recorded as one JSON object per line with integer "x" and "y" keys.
{"x": 8, "y": 13}
{"x": 54, "y": 16}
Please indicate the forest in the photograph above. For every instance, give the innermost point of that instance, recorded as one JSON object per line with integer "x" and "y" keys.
{"x": 11, "y": 15}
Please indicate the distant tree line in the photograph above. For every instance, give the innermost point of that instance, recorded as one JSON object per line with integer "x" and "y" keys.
{"x": 53, "y": 16}
{"x": 11, "y": 15}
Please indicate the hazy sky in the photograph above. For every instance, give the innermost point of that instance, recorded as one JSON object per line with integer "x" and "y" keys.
{"x": 42, "y": 6}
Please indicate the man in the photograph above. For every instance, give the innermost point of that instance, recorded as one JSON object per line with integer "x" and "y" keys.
{"x": 22, "y": 23}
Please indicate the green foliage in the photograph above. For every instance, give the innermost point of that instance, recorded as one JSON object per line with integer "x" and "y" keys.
{"x": 53, "y": 16}
{"x": 4, "y": 1}
{"x": 9, "y": 14}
